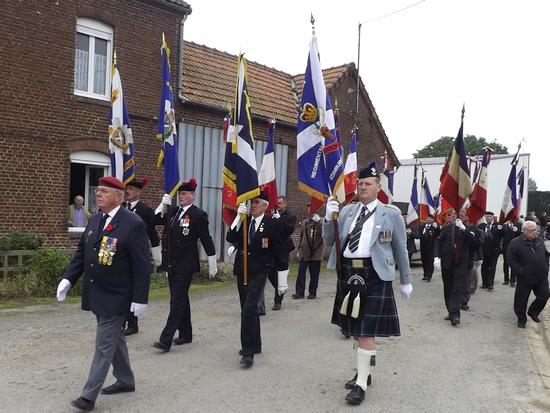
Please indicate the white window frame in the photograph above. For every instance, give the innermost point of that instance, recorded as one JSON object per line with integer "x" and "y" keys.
{"x": 90, "y": 159}
{"x": 95, "y": 29}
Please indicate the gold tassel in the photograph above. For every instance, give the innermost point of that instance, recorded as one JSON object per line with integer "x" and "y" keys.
{"x": 356, "y": 305}
{"x": 344, "y": 306}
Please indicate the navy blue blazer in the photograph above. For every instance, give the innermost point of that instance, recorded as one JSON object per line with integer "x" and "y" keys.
{"x": 110, "y": 289}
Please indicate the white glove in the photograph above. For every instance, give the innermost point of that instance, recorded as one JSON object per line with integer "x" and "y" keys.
{"x": 242, "y": 209}
{"x": 63, "y": 289}
{"x": 437, "y": 264}
{"x": 156, "y": 254}
{"x": 138, "y": 309}
{"x": 315, "y": 217}
{"x": 332, "y": 207}
{"x": 406, "y": 291}
{"x": 231, "y": 250}
{"x": 460, "y": 224}
{"x": 212, "y": 266}
{"x": 408, "y": 231}
{"x": 282, "y": 281}
{"x": 276, "y": 215}
{"x": 165, "y": 202}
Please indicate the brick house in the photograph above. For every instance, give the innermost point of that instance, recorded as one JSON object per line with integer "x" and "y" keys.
{"x": 56, "y": 61}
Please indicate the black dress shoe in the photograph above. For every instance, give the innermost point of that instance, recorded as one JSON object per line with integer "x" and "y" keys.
{"x": 447, "y": 318}
{"x": 276, "y": 307}
{"x": 356, "y": 395}
{"x": 483, "y": 287}
{"x": 247, "y": 361}
{"x": 490, "y": 288}
{"x": 424, "y": 278}
{"x": 455, "y": 321}
{"x": 257, "y": 351}
{"x": 351, "y": 383}
{"x": 131, "y": 330}
{"x": 534, "y": 317}
{"x": 512, "y": 284}
{"x": 521, "y": 324}
{"x": 118, "y": 387}
{"x": 464, "y": 307}
{"x": 83, "y": 404}
{"x": 311, "y": 297}
{"x": 161, "y": 346}
{"x": 428, "y": 279}
{"x": 297, "y": 296}
{"x": 179, "y": 341}
{"x": 505, "y": 283}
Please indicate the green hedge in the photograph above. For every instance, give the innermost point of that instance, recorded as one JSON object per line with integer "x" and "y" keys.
{"x": 19, "y": 241}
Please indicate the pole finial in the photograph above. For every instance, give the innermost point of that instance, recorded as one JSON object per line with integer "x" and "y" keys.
{"x": 463, "y": 110}
{"x": 114, "y": 57}
{"x": 312, "y": 20}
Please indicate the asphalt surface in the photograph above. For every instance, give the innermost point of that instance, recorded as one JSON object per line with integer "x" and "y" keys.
{"x": 485, "y": 365}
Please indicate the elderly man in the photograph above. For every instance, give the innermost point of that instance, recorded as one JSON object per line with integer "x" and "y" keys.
{"x": 185, "y": 226}
{"x": 372, "y": 238}
{"x": 265, "y": 252}
{"x": 529, "y": 262}
{"x": 113, "y": 255}
{"x": 78, "y": 215}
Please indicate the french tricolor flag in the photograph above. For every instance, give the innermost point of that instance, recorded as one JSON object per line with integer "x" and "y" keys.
{"x": 427, "y": 204}
{"x": 478, "y": 199}
{"x": 412, "y": 212}
{"x": 509, "y": 210}
{"x": 386, "y": 182}
{"x": 267, "y": 177}
{"x": 350, "y": 170}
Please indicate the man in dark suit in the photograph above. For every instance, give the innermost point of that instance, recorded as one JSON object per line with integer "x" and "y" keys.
{"x": 289, "y": 222}
{"x": 184, "y": 226}
{"x": 453, "y": 249}
{"x": 265, "y": 253}
{"x": 491, "y": 250}
{"x": 145, "y": 212}
{"x": 113, "y": 256}
{"x": 509, "y": 232}
{"x": 427, "y": 233}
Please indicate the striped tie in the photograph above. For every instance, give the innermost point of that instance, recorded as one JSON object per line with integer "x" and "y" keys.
{"x": 356, "y": 233}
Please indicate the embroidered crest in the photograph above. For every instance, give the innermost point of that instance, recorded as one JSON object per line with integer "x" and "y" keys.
{"x": 308, "y": 113}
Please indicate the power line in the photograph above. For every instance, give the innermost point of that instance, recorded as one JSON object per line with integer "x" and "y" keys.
{"x": 393, "y": 12}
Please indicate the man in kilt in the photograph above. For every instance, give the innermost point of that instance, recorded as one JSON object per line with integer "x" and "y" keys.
{"x": 372, "y": 238}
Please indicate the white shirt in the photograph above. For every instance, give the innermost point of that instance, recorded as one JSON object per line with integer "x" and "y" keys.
{"x": 133, "y": 204}
{"x": 111, "y": 214}
{"x": 363, "y": 249}
{"x": 183, "y": 211}
{"x": 257, "y": 222}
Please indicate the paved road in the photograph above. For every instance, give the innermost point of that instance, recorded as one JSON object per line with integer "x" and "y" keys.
{"x": 485, "y": 365}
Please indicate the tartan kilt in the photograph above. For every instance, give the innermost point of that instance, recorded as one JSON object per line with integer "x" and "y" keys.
{"x": 378, "y": 316}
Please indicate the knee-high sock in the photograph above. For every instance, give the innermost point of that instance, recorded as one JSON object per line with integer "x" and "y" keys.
{"x": 363, "y": 366}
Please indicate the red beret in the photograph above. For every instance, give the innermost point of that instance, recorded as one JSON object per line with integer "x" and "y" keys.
{"x": 190, "y": 185}
{"x": 111, "y": 182}
{"x": 139, "y": 183}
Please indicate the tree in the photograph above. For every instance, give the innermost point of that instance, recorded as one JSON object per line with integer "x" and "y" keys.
{"x": 474, "y": 146}
{"x": 532, "y": 185}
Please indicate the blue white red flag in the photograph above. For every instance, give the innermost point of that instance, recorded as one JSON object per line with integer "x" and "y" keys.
{"x": 412, "y": 212}
{"x": 267, "y": 176}
{"x": 320, "y": 167}
{"x": 427, "y": 204}
{"x": 509, "y": 210}
{"x": 478, "y": 200}
{"x": 244, "y": 161}
{"x": 166, "y": 128}
{"x": 350, "y": 170}
{"x": 121, "y": 142}
{"x": 455, "y": 185}
{"x": 386, "y": 181}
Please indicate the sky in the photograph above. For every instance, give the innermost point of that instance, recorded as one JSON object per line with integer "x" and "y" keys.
{"x": 419, "y": 65}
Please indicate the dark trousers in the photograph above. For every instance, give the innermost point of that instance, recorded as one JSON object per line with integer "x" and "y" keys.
{"x": 179, "y": 317}
{"x": 506, "y": 268}
{"x": 110, "y": 349}
{"x": 488, "y": 269}
{"x": 456, "y": 282}
{"x": 314, "y": 269}
{"x": 274, "y": 280}
{"x": 523, "y": 290}
{"x": 427, "y": 263}
{"x": 131, "y": 320}
{"x": 251, "y": 340}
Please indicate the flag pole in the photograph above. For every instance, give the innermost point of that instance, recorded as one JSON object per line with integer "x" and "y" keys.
{"x": 358, "y": 85}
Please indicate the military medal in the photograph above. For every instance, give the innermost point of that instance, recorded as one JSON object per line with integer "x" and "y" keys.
{"x": 261, "y": 229}
{"x": 107, "y": 250}
{"x": 184, "y": 223}
{"x": 265, "y": 242}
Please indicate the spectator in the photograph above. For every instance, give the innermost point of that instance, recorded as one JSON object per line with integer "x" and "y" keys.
{"x": 78, "y": 215}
